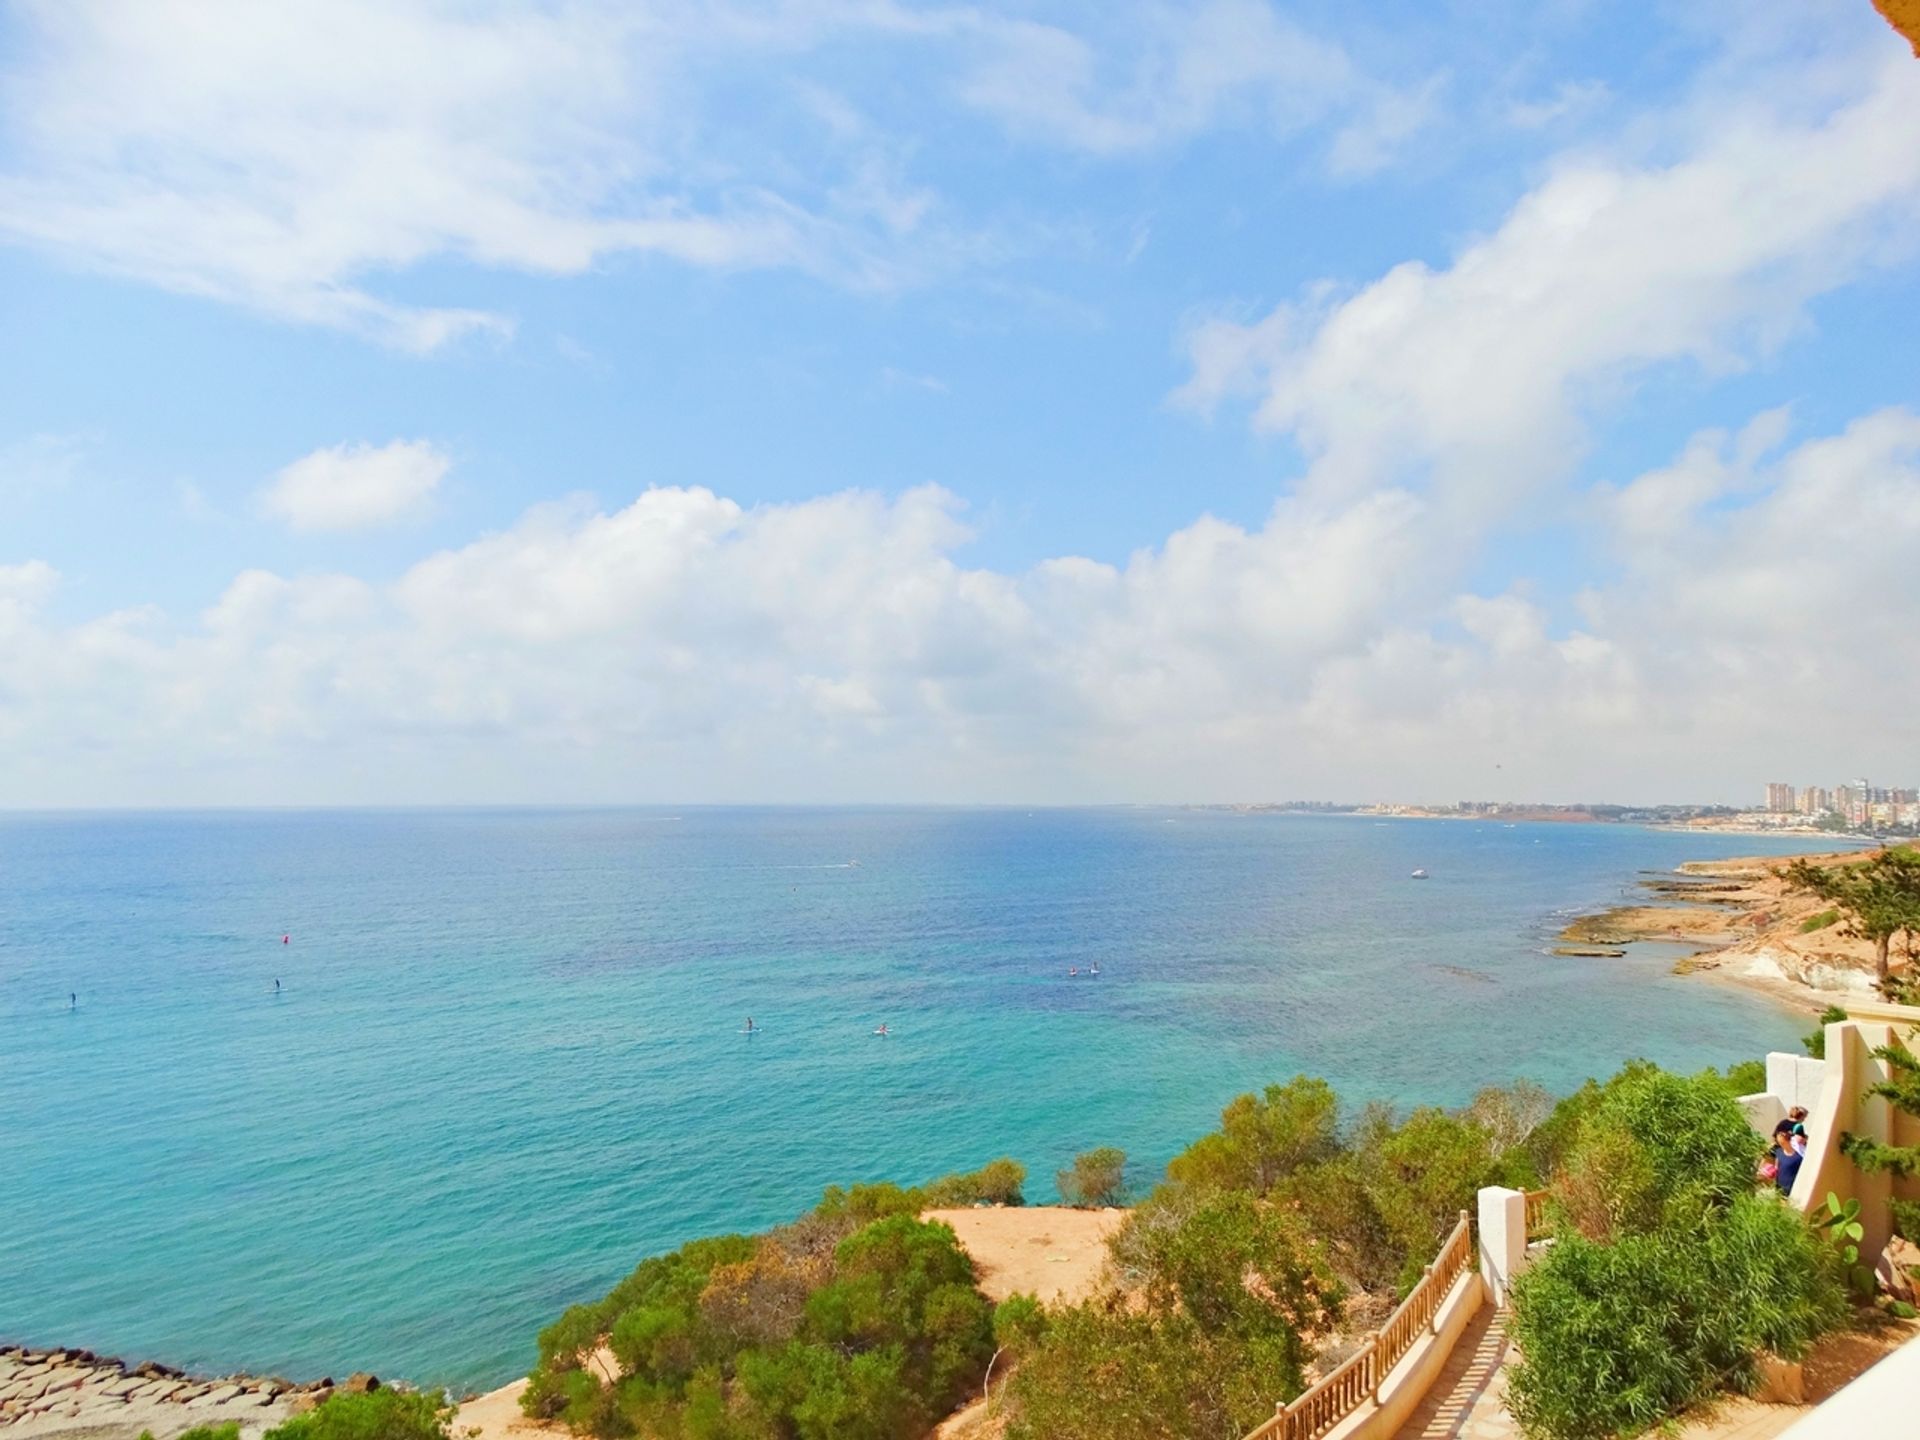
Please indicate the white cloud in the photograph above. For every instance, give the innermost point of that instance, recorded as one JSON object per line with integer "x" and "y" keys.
{"x": 1477, "y": 377}
{"x": 25, "y": 587}
{"x": 300, "y": 158}
{"x": 280, "y": 157}
{"x": 1181, "y": 71}
{"x": 1754, "y": 603}
{"x": 895, "y": 378}
{"x": 39, "y": 463}
{"x": 684, "y": 646}
{"x": 354, "y": 487}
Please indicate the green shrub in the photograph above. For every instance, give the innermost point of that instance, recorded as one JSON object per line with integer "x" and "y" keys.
{"x": 1335, "y": 1203}
{"x": 1106, "y": 1375}
{"x": 1553, "y": 1141}
{"x": 1654, "y": 1147}
{"x": 1002, "y": 1182}
{"x": 228, "y": 1431}
{"x": 998, "y": 1182}
{"x": 862, "y": 1203}
{"x": 377, "y": 1415}
{"x": 1019, "y": 1323}
{"x": 1381, "y": 1208}
{"x": 1743, "y": 1077}
{"x": 1906, "y": 1219}
{"x": 1264, "y": 1138}
{"x": 1422, "y": 1174}
{"x": 1617, "y": 1337}
{"x": 1819, "y": 920}
{"x": 830, "y": 1326}
{"x": 1098, "y": 1178}
{"x": 1237, "y": 1263}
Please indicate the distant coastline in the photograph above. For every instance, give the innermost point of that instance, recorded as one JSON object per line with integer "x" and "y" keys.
{"x": 1682, "y": 819}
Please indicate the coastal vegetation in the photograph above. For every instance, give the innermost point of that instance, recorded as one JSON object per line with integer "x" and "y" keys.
{"x": 1269, "y": 1238}
{"x": 1272, "y": 1246}
{"x": 858, "y": 1320}
{"x": 383, "y": 1414}
{"x": 1670, "y": 1273}
{"x": 1098, "y": 1178}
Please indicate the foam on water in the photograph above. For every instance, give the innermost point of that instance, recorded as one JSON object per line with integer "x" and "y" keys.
{"x": 507, "y": 1061}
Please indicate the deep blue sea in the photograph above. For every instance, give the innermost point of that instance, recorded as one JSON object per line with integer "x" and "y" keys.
{"x": 506, "y": 1061}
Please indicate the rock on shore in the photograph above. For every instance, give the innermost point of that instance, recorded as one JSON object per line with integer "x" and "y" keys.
{"x": 1750, "y": 926}
{"x": 83, "y": 1396}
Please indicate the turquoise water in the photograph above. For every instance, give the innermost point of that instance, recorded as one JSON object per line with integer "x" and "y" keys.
{"x": 507, "y": 1061}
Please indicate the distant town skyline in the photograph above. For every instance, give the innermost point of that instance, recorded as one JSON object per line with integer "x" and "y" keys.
{"x": 1020, "y": 403}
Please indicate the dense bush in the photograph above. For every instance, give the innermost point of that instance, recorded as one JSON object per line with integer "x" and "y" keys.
{"x": 376, "y": 1415}
{"x": 1262, "y": 1139}
{"x": 1383, "y": 1204}
{"x": 228, "y": 1431}
{"x": 858, "y": 1320}
{"x": 998, "y": 1182}
{"x": 1617, "y": 1337}
{"x": 1101, "y": 1374}
{"x": 1098, "y": 1177}
{"x": 1655, "y": 1149}
{"x": 1670, "y": 1273}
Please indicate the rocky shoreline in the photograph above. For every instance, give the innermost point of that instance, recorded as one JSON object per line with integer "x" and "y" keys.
{"x": 1747, "y": 927}
{"x": 79, "y": 1394}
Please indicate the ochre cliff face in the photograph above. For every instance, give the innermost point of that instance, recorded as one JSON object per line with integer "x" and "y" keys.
{"x": 1904, "y": 16}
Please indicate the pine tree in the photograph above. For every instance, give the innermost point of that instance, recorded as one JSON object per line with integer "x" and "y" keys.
{"x": 1881, "y": 897}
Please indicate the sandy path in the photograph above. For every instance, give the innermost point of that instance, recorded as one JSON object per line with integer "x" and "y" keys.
{"x": 496, "y": 1414}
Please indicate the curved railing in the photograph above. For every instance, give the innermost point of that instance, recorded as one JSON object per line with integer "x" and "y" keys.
{"x": 1356, "y": 1380}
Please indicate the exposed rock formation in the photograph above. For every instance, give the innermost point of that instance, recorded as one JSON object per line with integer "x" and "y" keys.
{"x": 1750, "y": 925}
{"x": 78, "y": 1394}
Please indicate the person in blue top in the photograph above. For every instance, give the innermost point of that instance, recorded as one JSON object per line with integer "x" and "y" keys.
{"x": 1786, "y": 1157}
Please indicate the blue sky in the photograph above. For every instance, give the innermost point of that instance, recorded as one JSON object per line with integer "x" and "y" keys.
{"x": 886, "y": 401}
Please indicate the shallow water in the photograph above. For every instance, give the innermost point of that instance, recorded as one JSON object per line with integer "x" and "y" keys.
{"x": 506, "y": 1062}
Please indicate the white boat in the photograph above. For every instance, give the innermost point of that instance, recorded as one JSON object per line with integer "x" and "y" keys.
{"x": 1419, "y": 875}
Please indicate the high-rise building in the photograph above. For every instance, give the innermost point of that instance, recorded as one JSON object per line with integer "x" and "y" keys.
{"x": 1858, "y": 804}
{"x": 1814, "y": 800}
{"x": 1780, "y": 798}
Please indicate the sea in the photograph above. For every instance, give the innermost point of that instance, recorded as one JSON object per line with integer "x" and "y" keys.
{"x": 314, "y": 1092}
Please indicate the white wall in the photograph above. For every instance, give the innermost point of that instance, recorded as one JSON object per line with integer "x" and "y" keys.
{"x": 1796, "y": 1079}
